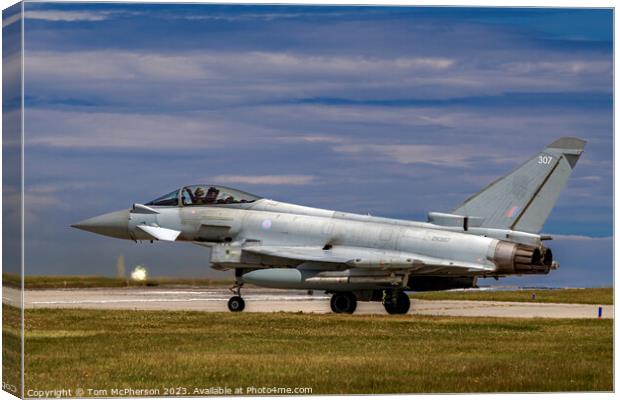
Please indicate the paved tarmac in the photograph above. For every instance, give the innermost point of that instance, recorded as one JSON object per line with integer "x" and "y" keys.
{"x": 267, "y": 300}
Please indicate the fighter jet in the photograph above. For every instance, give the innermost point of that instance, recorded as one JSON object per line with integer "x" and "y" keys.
{"x": 353, "y": 257}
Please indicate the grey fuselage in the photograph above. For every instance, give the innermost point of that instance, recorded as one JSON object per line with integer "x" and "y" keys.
{"x": 272, "y": 223}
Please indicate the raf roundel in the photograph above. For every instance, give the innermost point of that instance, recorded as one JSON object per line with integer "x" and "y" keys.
{"x": 266, "y": 224}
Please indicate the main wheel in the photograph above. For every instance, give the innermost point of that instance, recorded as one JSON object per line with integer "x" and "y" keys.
{"x": 236, "y": 304}
{"x": 343, "y": 302}
{"x": 400, "y": 306}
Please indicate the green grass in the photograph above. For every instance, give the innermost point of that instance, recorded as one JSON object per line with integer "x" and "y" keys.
{"x": 86, "y": 281}
{"x": 11, "y": 349}
{"x": 581, "y": 296}
{"x": 332, "y": 354}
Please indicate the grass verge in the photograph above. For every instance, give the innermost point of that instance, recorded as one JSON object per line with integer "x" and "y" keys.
{"x": 580, "y": 296}
{"x": 52, "y": 282}
{"x": 11, "y": 349}
{"x": 332, "y": 354}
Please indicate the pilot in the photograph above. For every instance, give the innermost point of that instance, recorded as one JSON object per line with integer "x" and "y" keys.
{"x": 199, "y": 196}
{"x": 211, "y": 195}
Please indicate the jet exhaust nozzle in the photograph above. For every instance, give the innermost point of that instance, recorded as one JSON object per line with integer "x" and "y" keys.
{"x": 521, "y": 259}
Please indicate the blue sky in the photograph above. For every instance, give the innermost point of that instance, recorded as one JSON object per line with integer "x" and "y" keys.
{"x": 395, "y": 111}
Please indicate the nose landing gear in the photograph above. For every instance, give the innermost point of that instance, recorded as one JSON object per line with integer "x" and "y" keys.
{"x": 236, "y": 303}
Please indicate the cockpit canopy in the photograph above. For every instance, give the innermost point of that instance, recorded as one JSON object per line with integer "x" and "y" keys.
{"x": 203, "y": 195}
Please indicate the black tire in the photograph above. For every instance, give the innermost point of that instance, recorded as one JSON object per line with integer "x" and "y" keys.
{"x": 401, "y": 306}
{"x": 343, "y": 302}
{"x": 236, "y": 304}
{"x": 404, "y": 303}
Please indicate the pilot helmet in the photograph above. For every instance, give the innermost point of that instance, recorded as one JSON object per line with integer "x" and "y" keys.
{"x": 199, "y": 192}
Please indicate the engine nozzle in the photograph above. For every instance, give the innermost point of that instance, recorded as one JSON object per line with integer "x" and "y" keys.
{"x": 512, "y": 258}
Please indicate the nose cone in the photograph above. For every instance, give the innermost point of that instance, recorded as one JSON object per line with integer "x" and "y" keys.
{"x": 114, "y": 224}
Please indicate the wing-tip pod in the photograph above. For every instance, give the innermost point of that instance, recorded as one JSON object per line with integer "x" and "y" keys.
{"x": 569, "y": 143}
{"x": 570, "y": 147}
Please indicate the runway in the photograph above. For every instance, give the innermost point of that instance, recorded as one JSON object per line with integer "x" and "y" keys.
{"x": 266, "y": 300}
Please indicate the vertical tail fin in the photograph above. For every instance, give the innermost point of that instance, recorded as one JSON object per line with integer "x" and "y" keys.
{"x": 523, "y": 199}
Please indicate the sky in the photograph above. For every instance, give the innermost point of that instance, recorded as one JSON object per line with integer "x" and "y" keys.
{"x": 393, "y": 111}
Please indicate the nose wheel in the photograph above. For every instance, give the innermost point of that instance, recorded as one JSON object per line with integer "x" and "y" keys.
{"x": 236, "y": 304}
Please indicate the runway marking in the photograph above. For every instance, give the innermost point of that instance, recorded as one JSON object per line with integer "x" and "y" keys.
{"x": 247, "y": 298}
{"x": 173, "y": 292}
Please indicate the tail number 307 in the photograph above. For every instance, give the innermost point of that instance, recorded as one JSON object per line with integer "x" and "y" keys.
{"x": 546, "y": 160}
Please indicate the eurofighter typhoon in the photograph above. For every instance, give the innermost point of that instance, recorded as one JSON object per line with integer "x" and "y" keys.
{"x": 353, "y": 257}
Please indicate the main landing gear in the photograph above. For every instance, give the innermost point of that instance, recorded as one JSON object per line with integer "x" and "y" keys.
{"x": 343, "y": 302}
{"x": 236, "y": 303}
{"x": 396, "y": 302}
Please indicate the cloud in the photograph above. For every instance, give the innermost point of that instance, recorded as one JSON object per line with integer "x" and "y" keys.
{"x": 40, "y": 198}
{"x": 100, "y": 15}
{"x": 224, "y": 78}
{"x": 411, "y": 153}
{"x": 590, "y": 178}
{"x": 11, "y": 19}
{"x": 240, "y": 17}
{"x": 67, "y": 16}
{"x": 35, "y": 203}
{"x": 580, "y": 238}
{"x": 116, "y": 66}
{"x": 12, "y": 73}
{"x": 312, "y": 139}
{"x": 383, "y": 58}
{"x": 568, "y": 66}
{"x": 142, "y": 132}
{"x": 266, "y": 179}
{"x": 122, "y": 65}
